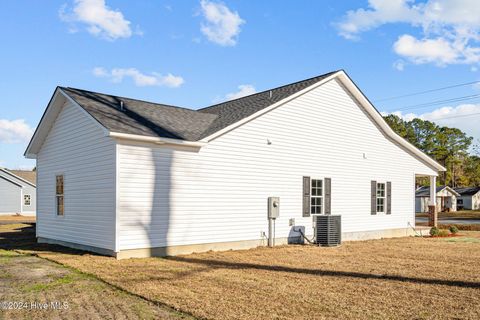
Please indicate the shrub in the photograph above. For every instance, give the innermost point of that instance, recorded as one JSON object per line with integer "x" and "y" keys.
{"x": 453, "y": 229}
{"x": 434, "y": 231}
{"x": 464, "y": 227}
{"x": 443, "y": 233}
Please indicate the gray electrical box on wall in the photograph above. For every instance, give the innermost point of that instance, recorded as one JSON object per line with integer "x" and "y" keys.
{"x": 273, "y": 207}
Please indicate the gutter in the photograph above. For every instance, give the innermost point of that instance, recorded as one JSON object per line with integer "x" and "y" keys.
{"x": 157, "y": 140}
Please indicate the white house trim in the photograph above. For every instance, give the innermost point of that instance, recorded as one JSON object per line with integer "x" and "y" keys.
{"x": 105, "y": 130}
{"x": 359, "y": 96}
{"x": 269, "y": 108}
{"x": 17, "y": 177}
{"x": 54, "y": 107}
{"x": 156, "y": 140}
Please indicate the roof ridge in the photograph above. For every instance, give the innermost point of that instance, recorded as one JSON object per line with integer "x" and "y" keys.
{"x": 134, "y": 99}
{"x": 264, "y": 91}
{"x": 7, "y": 171}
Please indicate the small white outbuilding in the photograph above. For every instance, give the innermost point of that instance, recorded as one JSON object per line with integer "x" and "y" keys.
{"x": 127, "y": 177}
{"x": 446, "y": 199}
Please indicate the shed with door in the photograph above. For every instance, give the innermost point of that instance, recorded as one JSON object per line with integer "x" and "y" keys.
{"x": 127, "y": 177}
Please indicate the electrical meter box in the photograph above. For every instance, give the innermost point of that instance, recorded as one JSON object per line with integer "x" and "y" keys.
{"x": 273, "y": 207}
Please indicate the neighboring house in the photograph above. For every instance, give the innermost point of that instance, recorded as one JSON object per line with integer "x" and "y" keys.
{"x": 469, "y": 198}
{"x": 133, "y": 178}
{"x": 17, "y": 195}
{"x": 29, "y": 175}
{"x": 446, "y": 199}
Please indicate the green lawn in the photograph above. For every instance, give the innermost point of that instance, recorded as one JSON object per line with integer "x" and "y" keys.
{"x": 468, "y": 214}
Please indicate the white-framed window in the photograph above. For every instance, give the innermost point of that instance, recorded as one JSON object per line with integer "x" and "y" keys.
{"x": 316, "y": 196}
{"x": 381, "y": 196}
{"x": 59, "y": 197}
{"x": 26, "y": 199}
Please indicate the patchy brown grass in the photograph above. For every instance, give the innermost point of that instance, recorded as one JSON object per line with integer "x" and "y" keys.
{"x": 414, "y": 278}
{"x": 17, "y": 218}
{"x": 28, "y": 282}
{"x": 379, "y": 279}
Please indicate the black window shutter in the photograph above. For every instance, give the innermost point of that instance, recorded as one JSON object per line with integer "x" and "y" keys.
{"x": 306, "y": 196}
{"x": 389, "y": 198}
{"x": 374, "y": 197}
{"x": 328, "y": 196}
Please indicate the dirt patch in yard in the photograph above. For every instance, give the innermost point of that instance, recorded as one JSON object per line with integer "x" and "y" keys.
{"x": 35, "y": 288}
{"x": 379, "y": 279}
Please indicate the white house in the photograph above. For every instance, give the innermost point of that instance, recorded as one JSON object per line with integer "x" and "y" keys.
{"x": 17, "y": 194}
{"x": 446, "y": 199}
{"x": 127, "y": 178}
{"x": 469, "y": 198}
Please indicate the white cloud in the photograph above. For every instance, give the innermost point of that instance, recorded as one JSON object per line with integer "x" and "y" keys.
{"x": 221, "y": 25}
{"x": 464, "y": 117}
{"x": 450, "y": 29}
{"x": 140, "y": 79}
{"x": 379, "y": 13}
{"x": 99, "y": 19}
{"x": 439, "y": 51}
{"x": 243, "y": 90}
{"x": 399, "y": 65}
{"x": 15, "y": 131}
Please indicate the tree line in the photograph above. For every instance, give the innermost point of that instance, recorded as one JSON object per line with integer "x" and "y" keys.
{"x": 450, "y": 147}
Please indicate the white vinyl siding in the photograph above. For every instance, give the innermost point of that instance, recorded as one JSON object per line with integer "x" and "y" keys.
{"x": 10, "y": 197}
{"x": 178, "y": 196}
{"x": 471, "y": 202}
{"x": 77, "y": 148}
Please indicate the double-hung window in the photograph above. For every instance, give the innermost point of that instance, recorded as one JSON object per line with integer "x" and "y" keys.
{"x": 59, "y": 198}
{"x": 316, "y": 196}
{"x": 381, "y": 197}
{"x": 26, "y": 199}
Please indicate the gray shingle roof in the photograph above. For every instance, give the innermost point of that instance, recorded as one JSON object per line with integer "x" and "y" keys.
{"x": 425, "y": 191}
{"x": 468, "y": 191}
{"x": 141, "y": 117}
{"x": 160, "y": 120}
{"x": 28, "y": 175}
{"x": 233, "y": 111}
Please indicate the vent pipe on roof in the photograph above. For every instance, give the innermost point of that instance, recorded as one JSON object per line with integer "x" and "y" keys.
{"x": 122, "y": 108}
{"x": 270, "y": 94}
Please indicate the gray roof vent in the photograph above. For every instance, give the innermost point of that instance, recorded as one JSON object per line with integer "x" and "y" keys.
{"x": 122, "y": 107}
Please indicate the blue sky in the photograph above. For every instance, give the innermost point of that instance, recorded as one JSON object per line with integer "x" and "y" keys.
{"x": 194, "y": 53}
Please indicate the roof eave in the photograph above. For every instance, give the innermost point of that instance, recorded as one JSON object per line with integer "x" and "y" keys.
{"x": 267, "y": 109}
{"x": 18, "y": 177}
{"x": 54, "y": 107}
{"x": 157, "y": 140}
{"x": 363, "y": 100}
{"x": 373, "y": 112}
